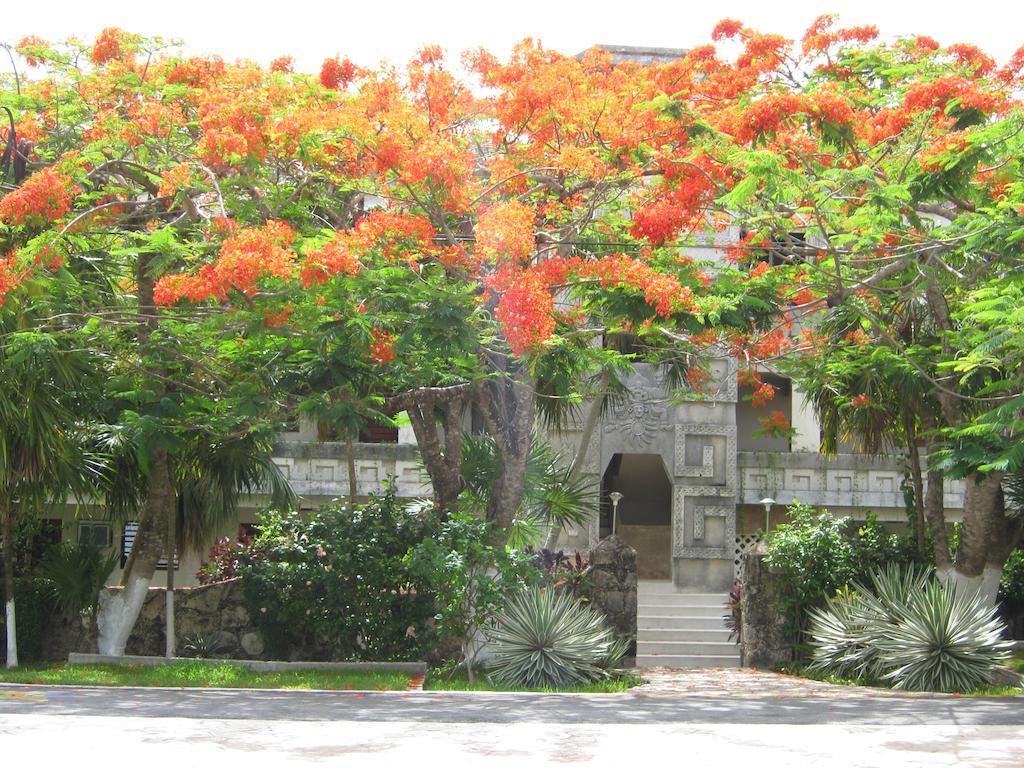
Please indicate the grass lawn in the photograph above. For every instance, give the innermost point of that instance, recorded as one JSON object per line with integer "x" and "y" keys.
{"x": 1016, "y": 664}
{"x": 184, "y": 674}
{"x": 445, "y": 680}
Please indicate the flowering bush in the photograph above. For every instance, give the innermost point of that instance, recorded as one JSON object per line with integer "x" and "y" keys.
{"x": 338, "y": 577}
{"x": 224, "y": 559}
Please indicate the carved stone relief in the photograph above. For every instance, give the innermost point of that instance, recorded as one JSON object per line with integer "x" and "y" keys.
{"x": 640, "y": 416}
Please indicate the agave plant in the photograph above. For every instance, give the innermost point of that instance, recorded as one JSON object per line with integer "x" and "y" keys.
{"x": 544, "y": 638}
{"x": 910, "y": 630}
{"x": 943, "y": 640}
{"x": 204, "y": 645}
{"x": 841, "y": 640}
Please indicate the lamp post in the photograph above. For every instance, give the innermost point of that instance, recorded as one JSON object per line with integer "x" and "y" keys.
{"x": 767, "y": 503}
{"x": 616, "y": 497}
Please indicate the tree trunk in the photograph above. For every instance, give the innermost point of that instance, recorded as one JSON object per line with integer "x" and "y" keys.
{"x": 170, "y": 548}
{"x": 917, "y": 479}
{"x": 509, "y": 406}
{"x": 935, "y": 512}
{"x": 351, "y": 462}
{"x": 576, "y": 468}
{"x": 442, "y": 457}
{"x": 983, "y": 546}
{"x": 119, "y": 611}
{"x": 10, "y": 622}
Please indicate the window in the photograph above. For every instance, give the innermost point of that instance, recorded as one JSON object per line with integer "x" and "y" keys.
{"x": 97, "y": 535}
{"x": 131, "y": 530}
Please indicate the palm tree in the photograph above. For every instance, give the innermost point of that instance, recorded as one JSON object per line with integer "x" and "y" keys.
{"x": 552, "y": 494}
{"x": 40, "y": 458}
{"x": 205, "y": 480}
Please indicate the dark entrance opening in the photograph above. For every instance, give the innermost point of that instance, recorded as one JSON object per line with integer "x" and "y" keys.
{"x": 645, "y": 511}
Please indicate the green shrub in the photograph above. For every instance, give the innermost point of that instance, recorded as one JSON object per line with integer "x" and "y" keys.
{"x": 472, "y": 578}
{"x": 911, "y": 631}
{"x": 544, "y": 638}
{"x": 815, "y": 554}
{"x": 77, "y": 573}
{"x": 339, "y": 580}
{"x": 34, "y": 604}
{"x": 1011, "y": 587}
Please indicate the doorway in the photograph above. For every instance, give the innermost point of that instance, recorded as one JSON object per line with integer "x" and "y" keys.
{"x": 644, "y": 518}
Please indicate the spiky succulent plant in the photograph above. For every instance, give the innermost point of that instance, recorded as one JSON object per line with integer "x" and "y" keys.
{"x": 910, "y": 630}
{"x": 544, "y": 638}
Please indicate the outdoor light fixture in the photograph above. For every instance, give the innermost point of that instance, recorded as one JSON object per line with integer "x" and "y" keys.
{"x": 767, "y": 503}
{"x": 616, "y": 497}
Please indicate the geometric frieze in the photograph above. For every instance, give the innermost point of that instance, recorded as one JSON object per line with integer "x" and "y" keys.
{"x": 696, "y": 504}
{"x": 725, "y": 431}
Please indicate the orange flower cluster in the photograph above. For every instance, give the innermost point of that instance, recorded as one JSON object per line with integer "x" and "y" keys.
{"x": 284, "y": 64}
{"x": 334, "y": 258}
{"x": 505, "y": 232}
{"x": 662, "y": 292}
{"x": 525, "y": 311}
{"x": 395, "y": 234}
{"x": 110, "y": 45}
{"x": 25, "y": 46}
{"x": 175, "y": 180}
{"x": 382, "y": 346}
{"x": 246, "y": 257}
{"x": 775, "y": 423}
{"x": 821, "y": 36}
{"x": 762, "y": 395}
{"x": 937, "y": 94}
{"x": 197, "y": 71}
{"x": 860, "y": 401}
{"x": 45, "y": 196}
{"x": 338, "y": 73}
{"x": 12, "y": 274}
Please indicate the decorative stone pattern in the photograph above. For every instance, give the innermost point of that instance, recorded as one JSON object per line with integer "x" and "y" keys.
{"x": 217, "y": 610}
{"x": 842, "y": 481}
{"x": 611, "y": 586}
{"x": 693, "y": 502}
{"x": 763, "y": 626}
{"x": 321, "y": 469}
{"x": 702, "y": 512}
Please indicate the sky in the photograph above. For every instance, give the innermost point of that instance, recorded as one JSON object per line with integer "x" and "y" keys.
{"x": 374, "y": 30}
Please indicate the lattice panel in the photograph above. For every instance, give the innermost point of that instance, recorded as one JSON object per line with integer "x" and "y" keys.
{"x": 744, "y": 543}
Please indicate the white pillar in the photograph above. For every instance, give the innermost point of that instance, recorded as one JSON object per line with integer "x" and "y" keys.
{"x": 808, "y": 433}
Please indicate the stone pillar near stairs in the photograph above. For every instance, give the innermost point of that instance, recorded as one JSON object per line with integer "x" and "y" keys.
{"x": 763, "y": 626}
{"x": 611, "y": 587}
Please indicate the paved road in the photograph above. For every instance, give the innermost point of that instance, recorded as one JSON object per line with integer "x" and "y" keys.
{"x": 425, "y": 707}
{"x": 153, "y": 728}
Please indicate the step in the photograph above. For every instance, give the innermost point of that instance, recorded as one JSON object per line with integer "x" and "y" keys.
{"x": 666, "y": 585}
{"x": 680, "y": 598}
{"x": 693, "y": 635}
{"x": 645, "y": 608}
{"x": 678, "y": 621}
{"x": 686, "y": 648}
{"x": 701, "y": 662}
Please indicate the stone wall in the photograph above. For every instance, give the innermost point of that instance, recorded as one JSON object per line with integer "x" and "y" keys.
{"x": 763, "y": 627}
{"x": 611, "y": 586}
{"x": 217, "y": 610}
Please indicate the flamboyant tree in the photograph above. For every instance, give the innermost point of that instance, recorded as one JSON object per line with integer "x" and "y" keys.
{"x": 880, "y": 183}
{"x": 429, "y": 245}
{"x": 424, "y": 247}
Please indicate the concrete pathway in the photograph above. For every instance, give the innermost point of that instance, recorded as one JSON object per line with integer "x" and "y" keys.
{"x": 694, "y": 718}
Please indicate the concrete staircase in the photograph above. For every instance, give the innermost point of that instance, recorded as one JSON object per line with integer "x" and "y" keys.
{"x": 681, "y": 629}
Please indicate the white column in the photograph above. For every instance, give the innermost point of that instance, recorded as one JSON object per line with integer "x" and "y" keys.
{"x": 808, "y": 433}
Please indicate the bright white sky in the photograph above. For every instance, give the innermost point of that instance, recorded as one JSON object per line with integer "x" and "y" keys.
{"x": 370, "y": 30}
